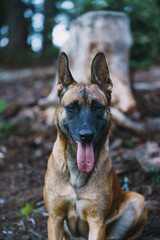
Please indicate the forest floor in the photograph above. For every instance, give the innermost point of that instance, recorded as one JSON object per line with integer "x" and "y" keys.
{"x": 23, "y": 162}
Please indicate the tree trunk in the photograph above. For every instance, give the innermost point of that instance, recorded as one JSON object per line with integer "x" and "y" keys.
{"x": 17, "y": 27}
{"x": 49, "y": 13}
{"x": 108, "y": 32}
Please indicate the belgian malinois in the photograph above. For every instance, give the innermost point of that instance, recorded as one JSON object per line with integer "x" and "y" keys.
{"x": 82, "y": 192}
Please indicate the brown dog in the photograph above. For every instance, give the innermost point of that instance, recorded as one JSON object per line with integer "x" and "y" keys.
{"x": 82, "y": 192}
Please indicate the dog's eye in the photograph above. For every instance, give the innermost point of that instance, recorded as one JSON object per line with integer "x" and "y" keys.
{"x": 98, "y": 108}
{"x": 72, "y": 108}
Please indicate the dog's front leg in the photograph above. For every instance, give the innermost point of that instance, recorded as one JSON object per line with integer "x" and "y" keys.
{"x": 96, "y": 230}
{"x": 55, "y": 228}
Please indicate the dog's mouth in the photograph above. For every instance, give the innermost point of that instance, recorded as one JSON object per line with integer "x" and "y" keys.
{"x": 85, "y": 155}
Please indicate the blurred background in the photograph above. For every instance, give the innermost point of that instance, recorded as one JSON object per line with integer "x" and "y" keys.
{"x": 32, "y": 33}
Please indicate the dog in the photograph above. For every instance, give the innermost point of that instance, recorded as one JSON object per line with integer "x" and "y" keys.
{"x": 82, "y": 193}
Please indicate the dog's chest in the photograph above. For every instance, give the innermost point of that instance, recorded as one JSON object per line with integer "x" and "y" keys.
{"x": 77, "y": 216}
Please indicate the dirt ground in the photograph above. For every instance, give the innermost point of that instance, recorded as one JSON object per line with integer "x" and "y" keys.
{"x": 23, "y": 163}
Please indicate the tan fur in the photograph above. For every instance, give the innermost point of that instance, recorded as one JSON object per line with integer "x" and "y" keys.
{"x": 100, "y": 209}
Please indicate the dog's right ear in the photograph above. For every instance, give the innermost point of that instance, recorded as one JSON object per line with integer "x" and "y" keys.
{"x": 64, "y": 75}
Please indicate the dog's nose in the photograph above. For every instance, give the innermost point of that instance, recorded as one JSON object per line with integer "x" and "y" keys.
{"x": 86, "y": 135}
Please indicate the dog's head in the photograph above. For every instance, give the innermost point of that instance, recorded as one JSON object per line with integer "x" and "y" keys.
{"x": 84, "y": 115}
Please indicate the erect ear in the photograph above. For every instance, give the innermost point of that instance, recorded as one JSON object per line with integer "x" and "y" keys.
{"x": 100, "y": 74}
{"x": 64, "y": 76}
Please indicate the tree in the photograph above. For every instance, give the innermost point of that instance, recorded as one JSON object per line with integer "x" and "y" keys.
{"x": 2, "y": 13}
{"x": 17, "y": 27}
{"x": 49, "y": 14}
{"x": 145, "y": 22}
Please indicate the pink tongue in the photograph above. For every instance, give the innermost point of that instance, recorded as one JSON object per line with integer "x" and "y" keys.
{"x": 85, "y": 157}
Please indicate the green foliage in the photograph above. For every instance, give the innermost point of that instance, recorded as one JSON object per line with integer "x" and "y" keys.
{"x": 145, "y": 22}
{"x": 3, "y": 105}
{"x": 50, "y": 53}
{"x": 27, "y": 210}
{"x": 129, "y": 143}
{"x": 155, "y": 178}
{"x": 82, "y": 6}
{"x": 4, "y": 128}
{"x": 22, "y": 58}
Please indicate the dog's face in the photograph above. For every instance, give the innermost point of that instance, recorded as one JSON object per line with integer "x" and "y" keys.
{"x": 84, "y": 116}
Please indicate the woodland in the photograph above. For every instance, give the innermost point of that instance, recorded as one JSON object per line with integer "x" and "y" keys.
{"x": 28, "y": 68}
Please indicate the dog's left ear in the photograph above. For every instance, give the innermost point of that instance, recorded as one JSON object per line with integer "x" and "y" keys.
{"x": 64, "y": 75}
{"x": 100, "y": 73}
